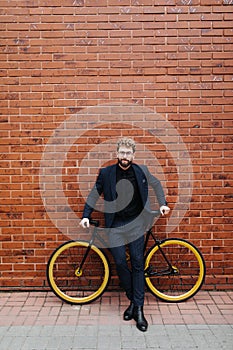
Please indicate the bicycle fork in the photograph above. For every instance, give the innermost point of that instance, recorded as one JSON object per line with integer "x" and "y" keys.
{"x": 78, "y": 271}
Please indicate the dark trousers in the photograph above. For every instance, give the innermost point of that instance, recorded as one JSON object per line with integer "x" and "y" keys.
{"x": 132, "y": 280}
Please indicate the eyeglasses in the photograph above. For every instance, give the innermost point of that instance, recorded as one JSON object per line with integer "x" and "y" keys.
{"x": 128, "y": 154}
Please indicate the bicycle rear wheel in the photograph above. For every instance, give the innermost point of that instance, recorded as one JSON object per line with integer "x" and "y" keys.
{"x": 72, "y": 284}
{"x": 186, "y": 276}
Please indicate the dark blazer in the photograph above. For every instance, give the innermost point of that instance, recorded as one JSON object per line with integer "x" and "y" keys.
{"x": 106, "y": 185}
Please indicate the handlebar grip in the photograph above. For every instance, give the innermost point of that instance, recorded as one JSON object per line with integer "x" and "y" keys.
{"x": 94, "y": 222}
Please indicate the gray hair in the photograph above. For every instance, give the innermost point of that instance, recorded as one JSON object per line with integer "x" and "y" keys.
{"x": 127, "y": 142}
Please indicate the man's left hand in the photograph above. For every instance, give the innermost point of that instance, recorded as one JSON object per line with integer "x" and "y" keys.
{"x": 164, "y": 210}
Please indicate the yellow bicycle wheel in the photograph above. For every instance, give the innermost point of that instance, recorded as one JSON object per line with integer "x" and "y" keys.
{"x": 186, "y": 276}
{"x": 73, "y": 284}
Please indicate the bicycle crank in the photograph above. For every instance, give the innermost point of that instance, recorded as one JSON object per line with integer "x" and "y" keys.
{"x": 175, "y": 270}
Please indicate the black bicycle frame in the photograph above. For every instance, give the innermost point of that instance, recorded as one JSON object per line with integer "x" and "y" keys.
{"x": 149, "y": 233}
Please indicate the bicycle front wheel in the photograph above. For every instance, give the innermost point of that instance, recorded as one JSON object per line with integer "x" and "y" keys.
{"x": 185, "y": 276}
{"x": 73, "y": 284}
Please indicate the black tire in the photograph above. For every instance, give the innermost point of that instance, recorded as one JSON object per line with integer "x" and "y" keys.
{"x": 76, "y": 286}
{"x": 188, "y": 275}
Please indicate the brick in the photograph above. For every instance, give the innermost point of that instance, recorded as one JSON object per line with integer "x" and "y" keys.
{"x": 56, "y": 61}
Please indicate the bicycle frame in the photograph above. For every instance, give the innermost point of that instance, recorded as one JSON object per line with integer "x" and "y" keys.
{"x": 169, "y": 271}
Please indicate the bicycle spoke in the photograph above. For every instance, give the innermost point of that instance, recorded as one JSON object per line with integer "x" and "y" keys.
{"x": 187, "y": 273}
{"x": 73, "y": 284}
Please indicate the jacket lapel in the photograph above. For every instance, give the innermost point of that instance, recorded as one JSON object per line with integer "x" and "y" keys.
{"x": 112, "y": 181}
{"x": 142, "y": 182}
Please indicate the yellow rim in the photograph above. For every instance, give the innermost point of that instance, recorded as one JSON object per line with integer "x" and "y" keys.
{"x": 198, "y": 282}
{"x": 66, "y": 297}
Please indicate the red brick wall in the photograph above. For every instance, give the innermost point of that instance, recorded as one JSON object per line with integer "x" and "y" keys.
{"x": 61, "y": 58}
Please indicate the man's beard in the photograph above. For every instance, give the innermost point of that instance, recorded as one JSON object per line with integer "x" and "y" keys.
{"x": 125, "y": 163}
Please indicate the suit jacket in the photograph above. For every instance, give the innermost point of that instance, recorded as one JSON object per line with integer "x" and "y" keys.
{"x": 106, "y": 185}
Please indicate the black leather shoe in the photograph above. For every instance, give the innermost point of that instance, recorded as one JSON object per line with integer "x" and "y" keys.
{"x": 128, "y": 314}
{"x": 139, "y": 317}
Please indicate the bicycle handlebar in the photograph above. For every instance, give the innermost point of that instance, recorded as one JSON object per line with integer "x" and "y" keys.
{"x": 153, "y": 213}
{"x": 95, "y": 223}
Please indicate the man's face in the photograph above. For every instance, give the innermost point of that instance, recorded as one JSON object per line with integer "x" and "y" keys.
{"x": 125, "y": 157}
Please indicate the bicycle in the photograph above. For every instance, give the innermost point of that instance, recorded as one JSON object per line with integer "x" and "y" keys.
{"x": 78, "y": 272}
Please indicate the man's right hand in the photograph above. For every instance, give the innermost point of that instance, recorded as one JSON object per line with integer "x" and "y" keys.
{"x": 85, "y": 223}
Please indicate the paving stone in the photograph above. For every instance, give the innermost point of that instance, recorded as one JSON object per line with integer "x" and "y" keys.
{"x": 105, "y": 329}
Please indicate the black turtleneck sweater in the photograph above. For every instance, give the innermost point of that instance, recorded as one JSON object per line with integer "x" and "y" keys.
{"x": 133, "y": 209}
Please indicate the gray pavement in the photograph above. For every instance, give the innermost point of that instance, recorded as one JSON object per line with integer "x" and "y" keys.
{"x": 32, "y": 321}
{"x": 105, "y": 337}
